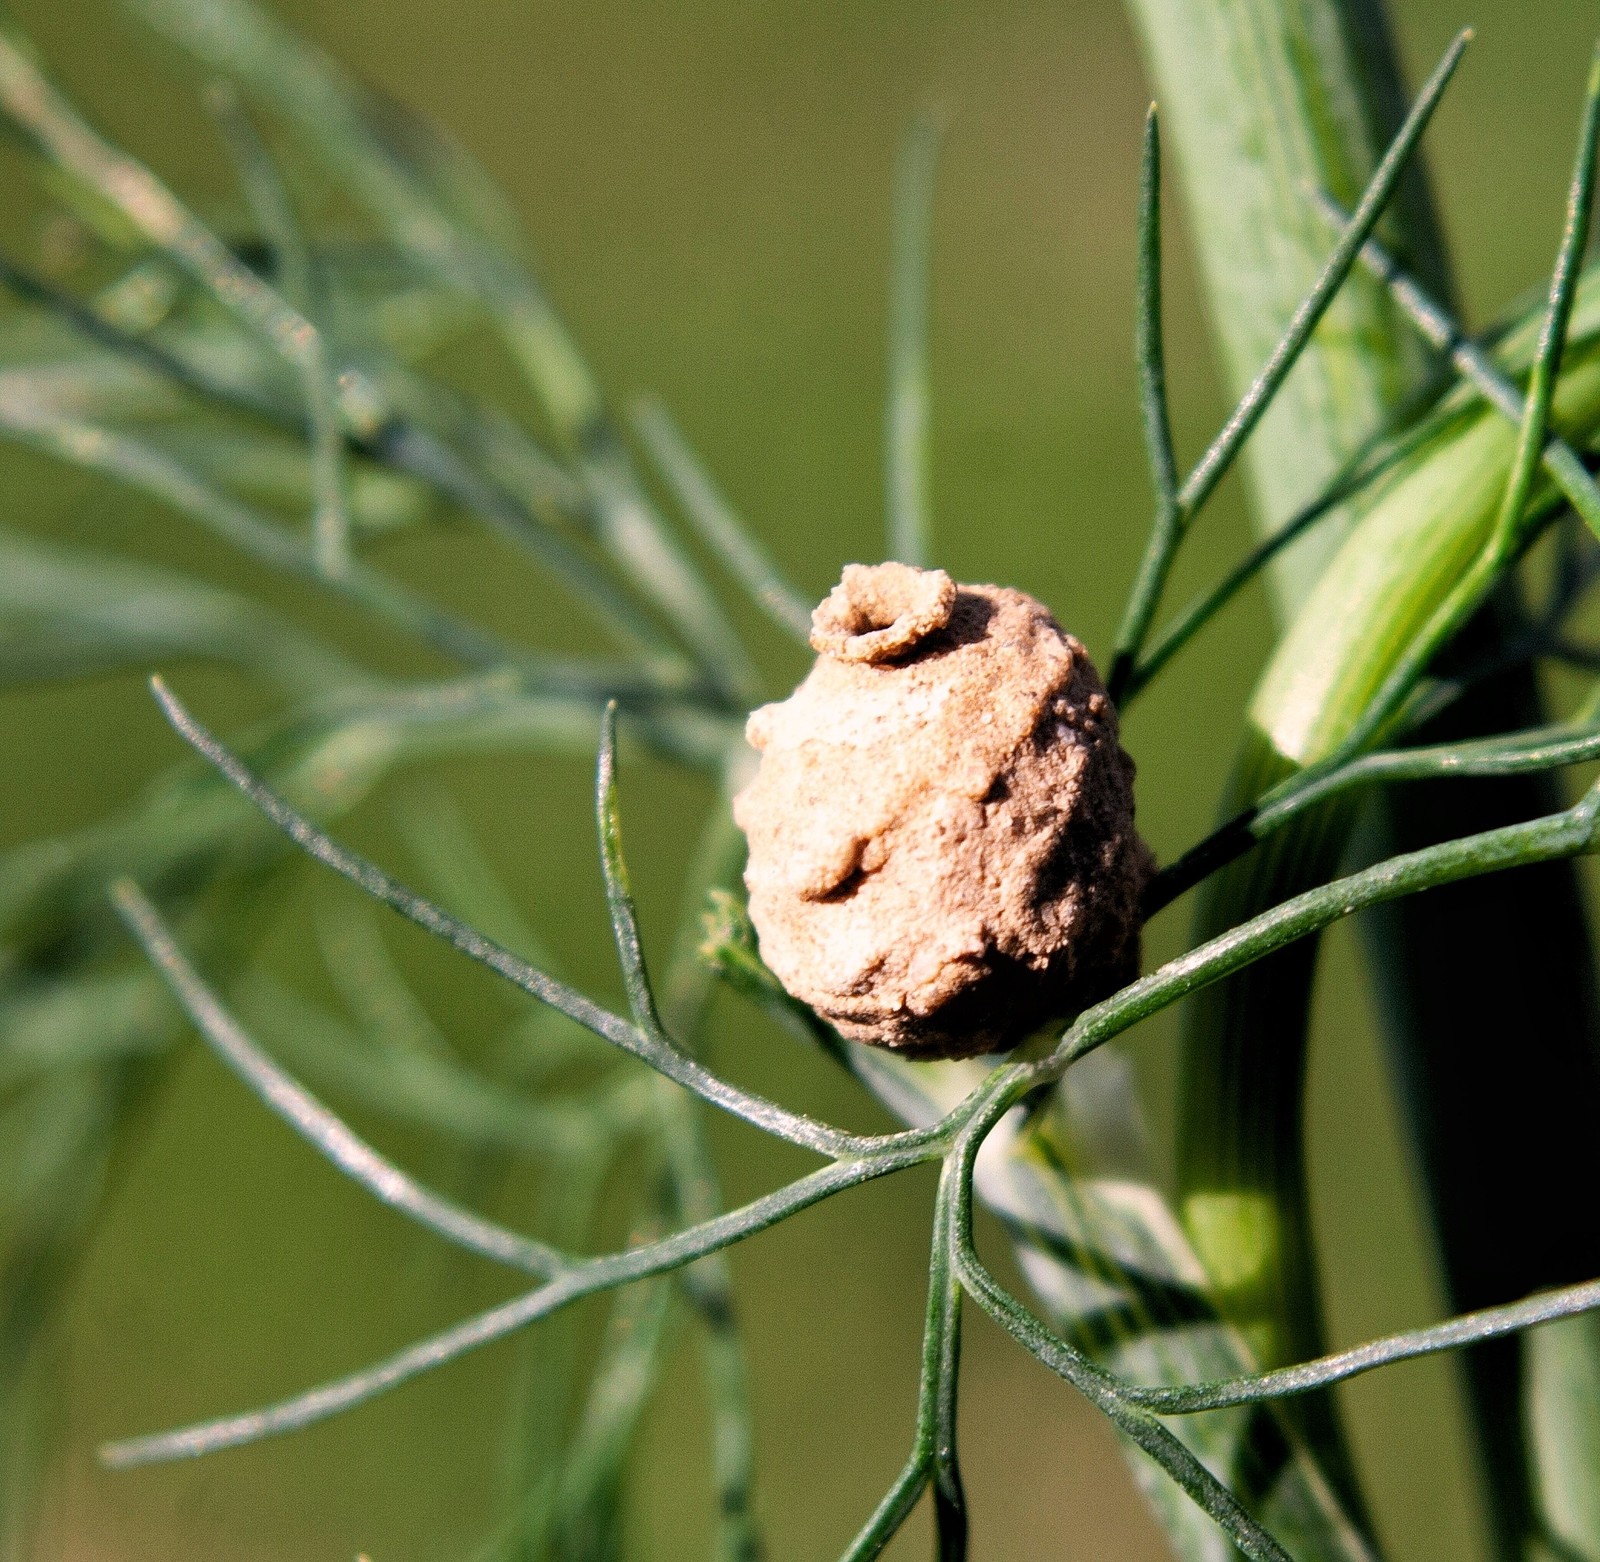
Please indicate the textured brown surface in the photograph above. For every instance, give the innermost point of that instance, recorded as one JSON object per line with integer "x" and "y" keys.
{"x": 942, "y": 851}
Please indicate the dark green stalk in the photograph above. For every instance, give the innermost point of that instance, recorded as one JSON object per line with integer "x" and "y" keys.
{"x": 1488, "y": 1323}
{"x": 1568, "y": 743}
{"x": 933, "y": 1459}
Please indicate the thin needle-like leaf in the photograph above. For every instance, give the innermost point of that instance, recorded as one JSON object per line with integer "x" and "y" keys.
{"x": 696, "y": 1196}
{"x": 87, "y": 611}
{"x": 1364, "y": 468}
{"x": 93, "y": 326}
{"x": 586, "y": 1499}
{"x": 1149, "y": 337}
{"x": 1442, "y": 331}
{"x": 1488, "y": 1323}
{"x": 1546, "y": 748}
{"x": 739, "y": 552}
{"x": 447, "y": 1099}
{"x": 708, "y": 1287}
{"x": 309, "y": 1117}
{"x": 933, "y": 1459}
{"x": 1214, "y": 464}
{"x": 274, "y": 212}
{"x": 906, "y": 403}
{"x": 1150, "y": 354}
{"x": 1553, "y": 335}
{"x": 585, "y": 1278}
{"x": 1175, "y": 515}
{"x": 619, "y": 898}
{"x": 648, "y": 1046}
{"x": 1099, "y": 1387}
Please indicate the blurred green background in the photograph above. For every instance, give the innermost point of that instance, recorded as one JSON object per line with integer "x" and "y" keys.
{"x": 706, "y": 185}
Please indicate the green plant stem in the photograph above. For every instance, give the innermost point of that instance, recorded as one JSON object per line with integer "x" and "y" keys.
{"x": 1100, "y": 1388}
{"x": 1364, "y": 468}
{"x": 932, "y": 1461}
{"x": 1472, "y": 1328}
{"x": 965, "y": 1126}
{"x": 1567, "y": 743}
